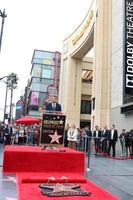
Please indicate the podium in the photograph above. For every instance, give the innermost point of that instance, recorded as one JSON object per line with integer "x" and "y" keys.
{"x": 52, "y": 128}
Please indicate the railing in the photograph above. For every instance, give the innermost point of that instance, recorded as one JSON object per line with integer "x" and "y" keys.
{"x": 100, "y": 147}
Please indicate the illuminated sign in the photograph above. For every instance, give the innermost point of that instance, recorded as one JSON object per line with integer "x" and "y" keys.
{"x": 128, "y": 44}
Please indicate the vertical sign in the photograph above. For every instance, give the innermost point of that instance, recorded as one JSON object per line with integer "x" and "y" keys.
{"x": 128, "y": 68}
{"x": 52, "y": 128}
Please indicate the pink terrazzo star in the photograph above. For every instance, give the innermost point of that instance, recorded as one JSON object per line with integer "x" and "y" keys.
{"x": 55, "y": 137}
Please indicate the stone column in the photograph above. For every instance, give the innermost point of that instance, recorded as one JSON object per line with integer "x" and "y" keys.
{"x": 102, "y": 64}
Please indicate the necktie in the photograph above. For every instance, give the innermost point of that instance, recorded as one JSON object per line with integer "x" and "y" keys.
{"x": 54, "y": 106}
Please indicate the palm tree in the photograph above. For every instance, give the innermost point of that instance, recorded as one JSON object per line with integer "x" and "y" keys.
{"x": 12, "y": 81}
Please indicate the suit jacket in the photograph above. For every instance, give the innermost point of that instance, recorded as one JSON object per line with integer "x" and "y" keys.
{"x": 99, "y": 134}
{"x": 115, "y": 136}
{"x": 105, "y": 134}
{"x": 8, "y": 131}
{"x": 49, "y": 107}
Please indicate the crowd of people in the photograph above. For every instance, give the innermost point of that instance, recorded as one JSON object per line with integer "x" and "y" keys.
{"x": 19, "y": 134}
{"x": 104, "y": 140}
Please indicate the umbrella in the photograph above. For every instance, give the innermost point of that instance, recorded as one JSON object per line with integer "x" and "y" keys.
{"x": 27, "y": 120}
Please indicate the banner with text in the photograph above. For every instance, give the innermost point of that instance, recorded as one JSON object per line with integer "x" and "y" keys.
{"x": 52, "y": 128}
{"x": 128, "y": 50}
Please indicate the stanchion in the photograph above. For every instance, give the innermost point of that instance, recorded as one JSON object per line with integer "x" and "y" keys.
{"x": 87, "y": 151}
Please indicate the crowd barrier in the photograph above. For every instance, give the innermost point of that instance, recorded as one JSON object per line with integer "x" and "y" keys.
{"x": 93, "y": 146}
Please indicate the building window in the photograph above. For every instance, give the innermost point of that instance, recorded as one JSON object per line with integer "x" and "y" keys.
{"x": 42, "y": 98}
{"x": 48, "y": 72}
{"x": 85, "y": 107}
{"x": 37, "y": 70}
{"x": 47, "y": 81}
{"x": 36, "y": 80}
{"x": 93, "y": 103}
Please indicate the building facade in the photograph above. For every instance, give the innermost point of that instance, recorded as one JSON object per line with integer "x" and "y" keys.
{"x": 122, "y": 64}
{"x": 44, "y": 80}
{"x": 103, "y": 29}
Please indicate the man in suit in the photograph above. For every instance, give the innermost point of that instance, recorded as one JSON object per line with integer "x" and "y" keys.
{"x": 1, "y": 132}
{"x": 53, "y": 105}
{"x": 88, "y": 137}
{"x": 105, "y": 133}
{"x": 7, "y": 134}
{"x": 97, "y": 137}
{"x": 112, "y": 137}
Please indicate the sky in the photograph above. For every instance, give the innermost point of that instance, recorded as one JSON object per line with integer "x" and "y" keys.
{"x": 34, "y": 24}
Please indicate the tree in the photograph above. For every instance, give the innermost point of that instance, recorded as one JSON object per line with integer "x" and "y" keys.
{"x": 12, "y": 80}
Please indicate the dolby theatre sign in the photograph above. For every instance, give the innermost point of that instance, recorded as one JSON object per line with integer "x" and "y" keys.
{"x": 128, "y": 63}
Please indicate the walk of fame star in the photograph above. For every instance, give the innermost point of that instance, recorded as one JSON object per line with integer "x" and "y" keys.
{"x": 61, "y": 122}
{"x": 63, "y": 190}
{"x": 55, "y": 137}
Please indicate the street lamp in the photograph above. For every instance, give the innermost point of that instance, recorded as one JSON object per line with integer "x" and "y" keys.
{"x": 3, "y": 15}
{"x": 7, "y": 86}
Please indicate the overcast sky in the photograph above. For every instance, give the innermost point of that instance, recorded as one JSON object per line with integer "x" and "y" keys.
{"x": 36, "y": 24}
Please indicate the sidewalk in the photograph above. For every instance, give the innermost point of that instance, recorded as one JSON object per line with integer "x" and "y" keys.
{"x": 116, "y": 176}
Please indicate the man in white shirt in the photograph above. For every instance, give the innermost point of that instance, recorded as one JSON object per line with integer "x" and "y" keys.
{"x": 97, "y": 137}
{"x": 112, "y": 137}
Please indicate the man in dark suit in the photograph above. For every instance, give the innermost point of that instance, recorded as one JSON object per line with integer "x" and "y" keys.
{"x": 105, "y": 133}
{"x": 88, "y": 137}
{"x": 97, "y": 137}
{"x": 1, "y": 132}
{"x": 53, "y": 105}
{"x": 7, "y": 134}
{"x": 112, "y": 137}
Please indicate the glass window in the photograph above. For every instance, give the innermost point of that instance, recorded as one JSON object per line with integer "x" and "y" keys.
{"x": 36, "y": 80}
{"x": 48, "y": 72}
{"x": 44, "y": 55}
{"x": 38, "y": 61}
{"x": 93, "y": 103}
{"x": 39, "y": 87}
{"x": 47, "y": 81}
{"x": 85, "y": 107}
{"x": 48, "y": 62}
{"x": 42, "y": 97}
{"x": 43, "y": 88}
{"x": 35, "y": 86}
{"x": 37, "y": 70}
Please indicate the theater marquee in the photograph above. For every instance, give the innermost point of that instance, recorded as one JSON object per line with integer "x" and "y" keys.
{"x": 128, "y": 64}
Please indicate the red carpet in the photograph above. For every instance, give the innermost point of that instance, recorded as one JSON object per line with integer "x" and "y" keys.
{"x": 30, "y": 190}
{"x": 44, "y": 177}
{"x": 115, "y": 158}
{"x": 34, "y": 159}
{"x": 39, "y": 165}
